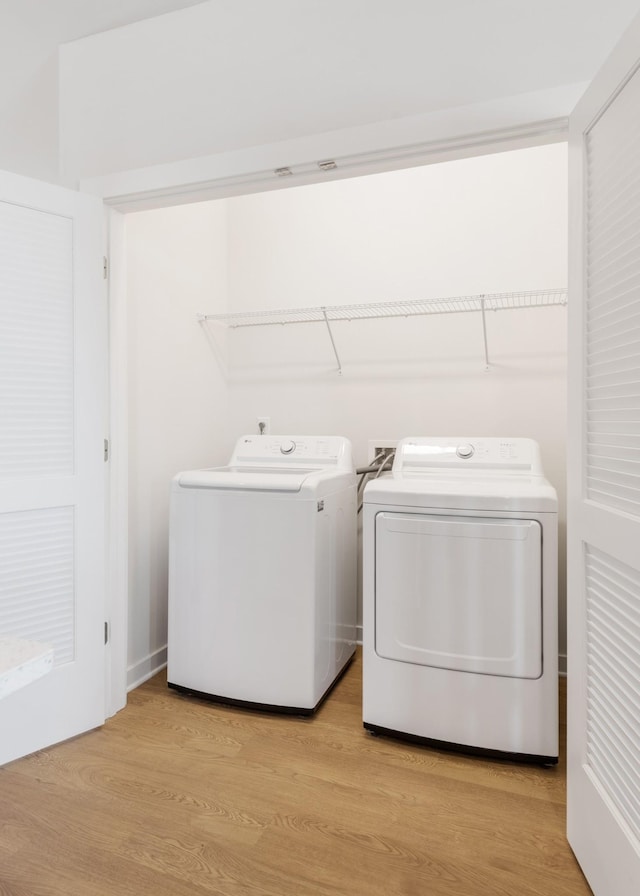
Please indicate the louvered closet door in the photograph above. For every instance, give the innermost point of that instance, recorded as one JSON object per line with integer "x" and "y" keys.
{"x": 604, "y": 477}
{"x": 52, "y": 391}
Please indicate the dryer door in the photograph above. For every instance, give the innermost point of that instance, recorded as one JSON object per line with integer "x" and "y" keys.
{"x": 460, "y": 593}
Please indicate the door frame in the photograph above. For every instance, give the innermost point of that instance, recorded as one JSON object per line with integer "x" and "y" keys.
{"x": 591, "y": 833}
{"x": 199, "y": 180}
{"x": 117, "y": 523}
{"x": 247, "y": 172}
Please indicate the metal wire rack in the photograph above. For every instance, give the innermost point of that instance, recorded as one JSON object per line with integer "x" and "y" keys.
{"x": 329, "y": 314}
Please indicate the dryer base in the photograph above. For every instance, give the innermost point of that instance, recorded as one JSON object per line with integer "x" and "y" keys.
{"x": 532, "y": 759}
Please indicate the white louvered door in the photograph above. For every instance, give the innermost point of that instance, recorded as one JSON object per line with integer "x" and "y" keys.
{"x": 603, "y": 760}
{"x": 52, "y": 487}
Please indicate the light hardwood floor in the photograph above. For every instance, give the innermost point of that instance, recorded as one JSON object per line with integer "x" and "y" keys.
{"x": 176, "y": 796}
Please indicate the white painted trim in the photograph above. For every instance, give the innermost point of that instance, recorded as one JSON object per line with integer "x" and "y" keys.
{"x": 146, "y": 668}
{"x": 507, "y": 123}
{"x": 174, "y": 192}
{"x": 117, "y": 523}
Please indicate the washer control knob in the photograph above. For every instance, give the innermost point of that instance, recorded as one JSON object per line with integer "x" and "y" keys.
{"x": 287, "y": 447}
{"x": 464, "y": 451}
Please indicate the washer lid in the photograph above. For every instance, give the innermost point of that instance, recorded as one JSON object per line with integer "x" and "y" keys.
{"x": 241, "y": 478}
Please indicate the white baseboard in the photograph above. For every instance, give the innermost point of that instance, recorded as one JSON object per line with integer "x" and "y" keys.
{"x": 146, "y": 668}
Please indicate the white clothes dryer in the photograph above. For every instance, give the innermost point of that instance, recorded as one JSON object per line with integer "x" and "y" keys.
{"x": 460, "y": 598}
{"x": 262, "y": 574}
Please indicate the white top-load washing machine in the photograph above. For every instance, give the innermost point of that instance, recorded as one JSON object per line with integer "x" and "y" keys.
{"x": 262, "y": 573}
{"x": 460, "y": 598}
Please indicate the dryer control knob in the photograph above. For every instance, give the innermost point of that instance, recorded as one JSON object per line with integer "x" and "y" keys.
{"x": 287, "y": 447}
{"x": 464, "y": 451}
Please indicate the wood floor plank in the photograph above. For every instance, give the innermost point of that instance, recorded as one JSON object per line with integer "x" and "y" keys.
{"x": 177, "y": 796}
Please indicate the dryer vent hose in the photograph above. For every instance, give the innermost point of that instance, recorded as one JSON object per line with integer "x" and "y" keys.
{"x": 379, "y": 464}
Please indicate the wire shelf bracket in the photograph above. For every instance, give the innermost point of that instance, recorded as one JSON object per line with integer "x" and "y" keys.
{"x": 328, "y": 314}
{"x": 333, "y": 344}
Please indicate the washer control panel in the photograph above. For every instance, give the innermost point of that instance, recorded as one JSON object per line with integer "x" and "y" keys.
{"x": 468, "y": 454}
{"x": 287, "y": 447}
{"x": 295, "y": 450}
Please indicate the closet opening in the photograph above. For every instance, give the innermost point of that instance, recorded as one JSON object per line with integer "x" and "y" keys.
{"x": 482, "y": 225}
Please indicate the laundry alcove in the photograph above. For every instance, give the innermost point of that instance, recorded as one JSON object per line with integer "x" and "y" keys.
{"x": 486, "y": 225}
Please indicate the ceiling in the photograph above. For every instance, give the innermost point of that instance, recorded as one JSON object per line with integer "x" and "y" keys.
{"x": 288, "y": 66}
{"x": 547, "y": 41}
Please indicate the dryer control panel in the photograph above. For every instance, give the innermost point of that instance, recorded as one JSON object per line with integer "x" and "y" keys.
{"x": 464, "y": 453}
{"x": 318, "y": 451}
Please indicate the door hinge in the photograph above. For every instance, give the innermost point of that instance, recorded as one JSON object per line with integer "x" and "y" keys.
{"x": 106, "y": 633}
{"x": 106, "y": 450}
{"x": 105, "y": 267}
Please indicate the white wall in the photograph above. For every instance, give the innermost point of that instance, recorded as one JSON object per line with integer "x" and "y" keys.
{"x": 30, "y": 34}
{"x": 176, "y": 268}
{"x": 28, "y": 105}
{"x": 492, "y": 224}
{"x": 255, "y": 85}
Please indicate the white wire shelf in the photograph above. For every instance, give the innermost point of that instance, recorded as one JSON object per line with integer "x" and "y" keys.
{"x": 328, "y": 314}
{"x": 458, "y": 305}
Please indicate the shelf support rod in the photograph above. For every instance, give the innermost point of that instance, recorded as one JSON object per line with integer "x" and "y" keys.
{"x": 484, "y": 333}
{"x": 333, "y": 345}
